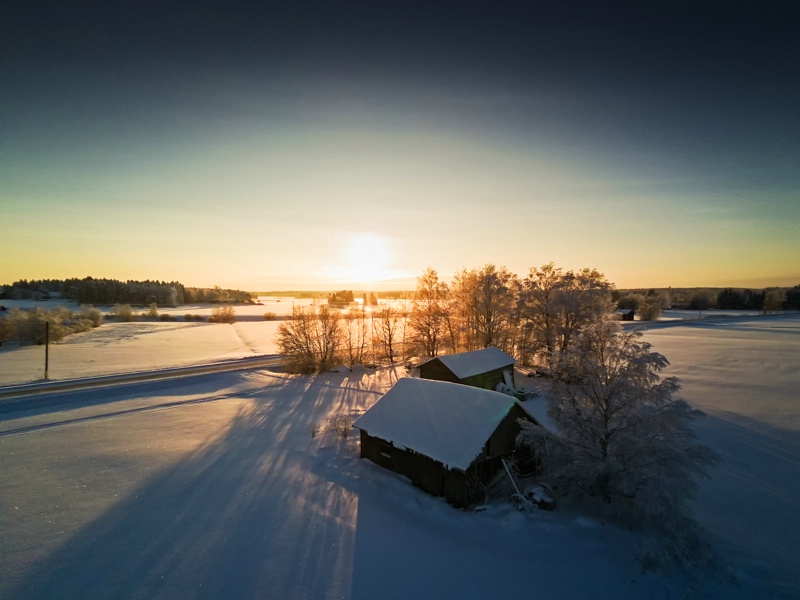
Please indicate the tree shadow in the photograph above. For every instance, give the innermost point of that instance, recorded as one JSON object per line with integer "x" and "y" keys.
{"x": 48, "y": 402}
{"x": 247, "y": 515}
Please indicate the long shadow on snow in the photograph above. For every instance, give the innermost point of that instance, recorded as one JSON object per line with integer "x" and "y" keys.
{"x": 39, "y": 404}
{"x": 243, "y": 517}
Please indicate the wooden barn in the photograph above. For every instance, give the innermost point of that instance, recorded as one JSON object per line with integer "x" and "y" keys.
{"x": 480, "y": 368}
{"x": 447, "y": 438}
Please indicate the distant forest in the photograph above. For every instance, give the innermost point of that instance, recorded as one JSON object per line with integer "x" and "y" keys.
{"x": 111, "y": 291}
{"x": 768, "y": 299}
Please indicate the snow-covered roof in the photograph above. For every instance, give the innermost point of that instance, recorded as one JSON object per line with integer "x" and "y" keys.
{"x": 467, "y": 364}
{"x": 448, "y": 422}
{"x": 536, "y": 408}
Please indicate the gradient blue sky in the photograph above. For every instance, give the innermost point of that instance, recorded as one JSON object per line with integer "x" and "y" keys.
{"x": 319, "y": 145}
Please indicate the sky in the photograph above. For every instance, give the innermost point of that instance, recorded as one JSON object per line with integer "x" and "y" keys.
{"x": 310, "y": 145}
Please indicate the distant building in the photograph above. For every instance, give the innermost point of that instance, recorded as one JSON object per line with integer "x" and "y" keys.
{"x": 447, "y": 438}
{"x": 480, "y": 368}
{"x": 627, "y": 315}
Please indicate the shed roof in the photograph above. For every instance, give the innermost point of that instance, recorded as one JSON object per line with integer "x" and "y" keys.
{"x": 467, "y": 364}
{"x": 448, "y": 422}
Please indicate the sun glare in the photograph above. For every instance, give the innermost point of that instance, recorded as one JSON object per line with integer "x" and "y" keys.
{"x": 366, "y": 259}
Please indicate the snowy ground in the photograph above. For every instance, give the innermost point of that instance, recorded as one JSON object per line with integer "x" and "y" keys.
{"x": 138, "y": 346}
{"x": 212, "y": 486}
{"x": 144, "y": 345}
{"x": 677, "y": 314}
{"x": 745, "y": 375}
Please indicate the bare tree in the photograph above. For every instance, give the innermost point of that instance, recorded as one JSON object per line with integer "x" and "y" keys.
{"x": 556, "y": 305}
{"x": 451, "y": 317}
{"x": 310, "y": 340}
{"x": 540, "y": 299}
{"x": 402, "y": 315}
{"x": 427, "y": 317}
{"x": 384, "y": 326}
{"x": 356, "y": 335}
{"x": 487, "y": 299}
{"x": 585, "y": 298}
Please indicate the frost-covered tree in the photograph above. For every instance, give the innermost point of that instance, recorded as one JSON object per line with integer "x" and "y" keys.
{"x": 556, "y": 304}
{"x": 623, "y": 441}
{"x": 384, "y": 326}
{"x": 649, "y": 306}
{"x": 486, "y": 301}
{"x": 219, "y": 314}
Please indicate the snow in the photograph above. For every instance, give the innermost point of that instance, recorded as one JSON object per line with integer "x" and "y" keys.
{"x": 536, "y": 407}
{"x": 146, "y": 345}
{"x": 467, "y": 364}
{"x": 212, "y": 486}
{"x": 447, "y": 422}
{"x": 137, "y": 346}
{"x": 745, "y": 375}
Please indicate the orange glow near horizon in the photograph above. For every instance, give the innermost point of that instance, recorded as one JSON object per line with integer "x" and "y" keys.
{"x": 364, "y": 259}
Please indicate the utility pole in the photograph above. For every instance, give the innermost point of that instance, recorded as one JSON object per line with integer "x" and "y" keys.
{"x": 46, "y": 346}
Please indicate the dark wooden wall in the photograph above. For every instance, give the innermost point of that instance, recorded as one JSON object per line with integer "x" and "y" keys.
{"x": 424, "y": 472}
{"x": 460, "y": 488}
{"x": 434, "y": 369}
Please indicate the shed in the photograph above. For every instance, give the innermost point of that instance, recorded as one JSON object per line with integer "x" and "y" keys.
{"x": 447, "y": 438}
{"x": 627, "y": 315}
{"x": 484, "y": 368}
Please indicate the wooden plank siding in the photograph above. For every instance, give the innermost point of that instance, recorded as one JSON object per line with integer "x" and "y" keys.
{"x": 435, "y": 369}
{"x": 488, "y": 381}
{"x": 459, "y": 488}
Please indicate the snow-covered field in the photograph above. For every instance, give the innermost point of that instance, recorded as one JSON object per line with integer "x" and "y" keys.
{"x": 213, "y": 487}
{"x": 745, "y": 375}
{"x": 137, "y": 346}
{"x": 145, "y": 345}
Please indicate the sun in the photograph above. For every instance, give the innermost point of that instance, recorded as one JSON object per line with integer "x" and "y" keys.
{"x": 366, "y": 259}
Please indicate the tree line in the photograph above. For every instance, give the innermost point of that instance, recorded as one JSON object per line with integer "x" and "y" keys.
{"x": 28, "y": 326}
{"x": 112, "y": 291}
{"x": 649, "y": 304}
{"x": 534, "y": 318}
